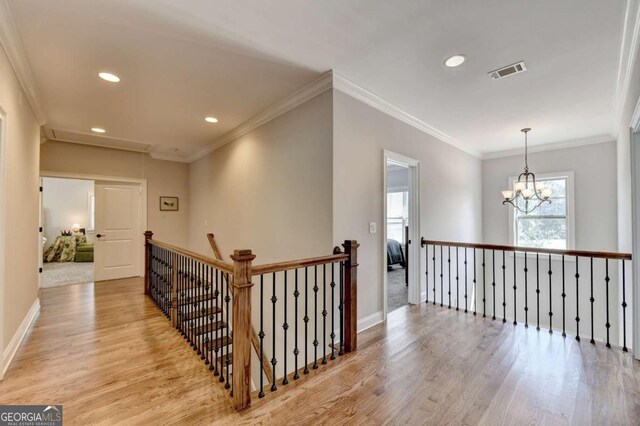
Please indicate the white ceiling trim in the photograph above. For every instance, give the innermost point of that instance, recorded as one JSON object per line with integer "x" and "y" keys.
{"x": 295, "y": 99}
{"x": 12, "y": 44}
{"x": 549, "y": 146}
{"x": 170, "y": 157}
{"x": 630, "y": 38}
{"x": 635, "y": 118}
{"x": 363, "y": 95}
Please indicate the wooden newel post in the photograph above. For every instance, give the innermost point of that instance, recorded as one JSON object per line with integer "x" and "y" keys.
{"x": 147, "y": 255}
{"x": 351, "y": 296}
{"x": 242, "y": 328}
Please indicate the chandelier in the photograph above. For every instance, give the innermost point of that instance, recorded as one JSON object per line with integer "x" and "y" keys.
{"x": 527, "y": 194}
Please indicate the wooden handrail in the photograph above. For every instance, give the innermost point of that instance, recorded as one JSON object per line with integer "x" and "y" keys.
{"x": 301, "y": 263}
{"x": 223, "y": 266}
{"x": 580, "y": 253}
{"x": 214, "y": 246}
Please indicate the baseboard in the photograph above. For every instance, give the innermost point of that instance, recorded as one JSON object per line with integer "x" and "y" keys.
{"x": 370, "y": 321}
{"x": 14, "y": 344}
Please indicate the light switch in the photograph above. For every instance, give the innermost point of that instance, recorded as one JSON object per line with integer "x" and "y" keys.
{"x": 372, "y": 227}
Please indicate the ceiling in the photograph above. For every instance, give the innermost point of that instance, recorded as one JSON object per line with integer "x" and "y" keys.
{"x": 182, "y": 61}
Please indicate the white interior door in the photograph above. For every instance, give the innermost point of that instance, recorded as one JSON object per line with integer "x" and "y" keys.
{"x": 118, "y": 245}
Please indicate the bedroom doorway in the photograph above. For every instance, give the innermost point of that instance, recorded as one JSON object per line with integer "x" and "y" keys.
{"x": 401, "y": 233}
{"x": 67, "y": 222}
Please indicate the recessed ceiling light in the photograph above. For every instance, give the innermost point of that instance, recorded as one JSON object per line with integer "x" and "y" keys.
{"x": 455, "y": 61}
{"x": 98, "y": 130}
{"x": 211, "y": 120}
{"x": 109, "y": 77}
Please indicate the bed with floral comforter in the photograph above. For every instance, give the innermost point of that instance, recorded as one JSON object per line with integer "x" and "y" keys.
{"x": 64, "y": 248}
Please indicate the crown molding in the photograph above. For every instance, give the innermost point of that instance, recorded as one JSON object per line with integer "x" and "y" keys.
{"x": 628, "y": 52}
{"x": 284, "y": 105}
{"x": 363, "y": 95}
{"x": 12, "y": 44}
{"x": 573, "y": 143}
{"x": 169, "y": 157}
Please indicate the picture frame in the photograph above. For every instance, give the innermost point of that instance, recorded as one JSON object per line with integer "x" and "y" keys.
{"x": 169, "y": 204}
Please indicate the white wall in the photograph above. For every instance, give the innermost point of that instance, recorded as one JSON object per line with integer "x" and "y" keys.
{"x": 450, "y": 188}
{"x": 594, "y": 168}
{"x": 20, "y": 200}
{"x": 596, "y": 221}
{"x": 65, "y": 202}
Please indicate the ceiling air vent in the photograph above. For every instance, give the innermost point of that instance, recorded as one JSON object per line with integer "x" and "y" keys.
{"x": 508, "y": 70}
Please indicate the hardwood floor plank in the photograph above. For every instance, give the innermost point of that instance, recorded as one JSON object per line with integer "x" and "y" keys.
{"x": 109, "y": 356}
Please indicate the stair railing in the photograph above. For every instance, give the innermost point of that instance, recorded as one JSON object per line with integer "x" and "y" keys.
{"x": 526, "y": 285}
{"x": 209, "y": 301}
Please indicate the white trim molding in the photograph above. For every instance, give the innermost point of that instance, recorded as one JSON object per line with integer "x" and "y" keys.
{"x": 635, "y": 118}
{"x": 18, "y": 337}
{"x": 12, "y": 44}
{"x": 365, "y": 96}
{"x": 370, "y": 321}
{"x": 295, "y": 99}
{"x": 549, "y": 147}
{"x": 628, "y": 52}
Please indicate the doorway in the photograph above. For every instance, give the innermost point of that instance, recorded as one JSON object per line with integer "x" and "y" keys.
{"x": 91, "y": 228}
{"x": 67, "y": 224}
{"x": 401, "y": 232}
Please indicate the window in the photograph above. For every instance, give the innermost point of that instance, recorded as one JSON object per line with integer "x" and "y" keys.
{"x": 92, "y": 211}
{"x": 397, "y": 215}
{"x": 550, "y": 225}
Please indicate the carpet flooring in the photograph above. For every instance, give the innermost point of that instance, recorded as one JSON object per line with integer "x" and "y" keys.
{"x": 56, "y": 274}
{"x": 397, "y": 291}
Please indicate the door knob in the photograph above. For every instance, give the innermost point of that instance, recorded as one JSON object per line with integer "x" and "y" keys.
{"x": 101, "y": 235}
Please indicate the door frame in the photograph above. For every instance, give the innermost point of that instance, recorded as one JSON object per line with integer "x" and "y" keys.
{"x": 634, "y": 142}
{"x": 115, "y": 179}
{"x": 3, "y": 143}
{"x": 413, "y": 166}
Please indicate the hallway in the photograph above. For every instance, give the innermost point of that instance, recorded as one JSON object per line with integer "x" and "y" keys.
{"x": 109, "y": 356}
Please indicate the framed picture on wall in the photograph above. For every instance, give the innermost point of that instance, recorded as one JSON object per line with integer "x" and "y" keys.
{"x": 169, "y": 204}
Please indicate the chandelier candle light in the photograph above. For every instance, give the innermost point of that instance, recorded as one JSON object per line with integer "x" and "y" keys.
{"x": 533, "y": 193}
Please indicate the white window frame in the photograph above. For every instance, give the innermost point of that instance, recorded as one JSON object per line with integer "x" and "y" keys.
{"x": 570, "y": 199}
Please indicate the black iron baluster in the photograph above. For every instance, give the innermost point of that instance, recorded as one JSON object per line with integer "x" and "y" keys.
{"x": 475, "y": 291}
{"x": 285, "y": 327}
{"x": 577, "y": 303}
{"x": 227, "y": 299}
{"x": 484, "y": 290}
{"x": 341, "y": 308}
{"x": 261, "y": 336}
{"x": 192, "y": 304}
{"x": 434, "y": 275}
{"x": 208, "y": 314}
{"x": 274, "y": 299}
{"x": 296, "y": 351}
{"x": 457, "y": 282}
{"x": 426, "y": 280}
{"x": 324, "y": 313}
{"x": 591, "y": 299}
{"x": 515, "y": 288}
{"x": 606, "y": 280}
{"x": 449, "y": 274}
{"x": 526, "y": 290}
{"x": 465, "y": 280}
{"x": 441, "y": 278}
{"x": 538, "y": 291}
{"x": 333, "y": 329}
{"x": 624, "y": 310}
{"x": 224, "y": 347}
{"x": 504, "y": 289}
{"x": 306, "y": 319}
{"x": 564, "y": 296}
{"x": 550, "y": 298}
{"x": 218, "y": 314}
{"x": 315, "y": 316}
{"x": 198, "y": 313}
{"x": 493, "y": 281}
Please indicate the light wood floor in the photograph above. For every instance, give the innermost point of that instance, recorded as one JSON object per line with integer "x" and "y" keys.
{"x": 107, "y": 355}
